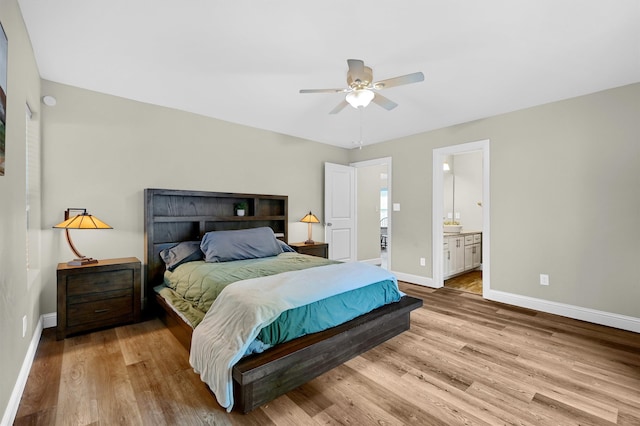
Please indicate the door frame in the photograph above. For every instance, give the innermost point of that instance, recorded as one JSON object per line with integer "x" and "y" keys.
{"x": 437, "y": 232}
{"x": 383, "y": 161}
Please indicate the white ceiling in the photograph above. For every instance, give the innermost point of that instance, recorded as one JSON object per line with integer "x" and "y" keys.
{"x": 244, "y": 61}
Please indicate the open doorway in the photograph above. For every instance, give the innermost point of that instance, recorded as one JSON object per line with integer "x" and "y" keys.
{"x": 462, "y": 243}
{"x": 374, "y": 222}
{"x": 384, "y": 221}
{"x": 461, "y": 237}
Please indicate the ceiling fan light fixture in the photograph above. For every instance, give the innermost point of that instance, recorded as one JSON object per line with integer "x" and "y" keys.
{"x": 360, "y": 97}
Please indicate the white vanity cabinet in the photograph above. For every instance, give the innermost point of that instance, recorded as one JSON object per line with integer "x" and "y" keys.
{"x": 455, "y": 255}
{"x": 446, "y": 258}
{"x": 468, "y": 257}
{"x": 462, "y": 252}
{"x": 477, "y": 250}
{"x": 472, "y": 250}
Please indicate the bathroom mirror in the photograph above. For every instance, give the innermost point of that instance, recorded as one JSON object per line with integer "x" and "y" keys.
{"x": 449, "y": 189}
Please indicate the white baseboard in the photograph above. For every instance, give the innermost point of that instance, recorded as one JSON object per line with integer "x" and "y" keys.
{"x": 14, "y": 402}
{"x": 594, "y": 316}
{"x": 609, "y": 319}
{"x": 414, "y": 279}
{"x": 49, "y": 320}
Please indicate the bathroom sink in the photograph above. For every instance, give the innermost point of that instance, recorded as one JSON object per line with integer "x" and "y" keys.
{"x": 452, "y": 228}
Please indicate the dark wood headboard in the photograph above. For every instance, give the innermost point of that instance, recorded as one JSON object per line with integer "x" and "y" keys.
{"x": 172, "y": 216}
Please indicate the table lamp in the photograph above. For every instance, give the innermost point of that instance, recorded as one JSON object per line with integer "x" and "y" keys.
{"x": 83, "y": 220}
{"x": 309, "y": 219}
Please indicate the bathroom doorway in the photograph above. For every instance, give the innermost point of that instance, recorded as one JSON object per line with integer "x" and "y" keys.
{"x": 476, "y": 231}
{"x": 462, "y": 193}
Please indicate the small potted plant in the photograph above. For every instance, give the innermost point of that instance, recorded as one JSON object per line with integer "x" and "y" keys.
{"x": 241, "y": 208}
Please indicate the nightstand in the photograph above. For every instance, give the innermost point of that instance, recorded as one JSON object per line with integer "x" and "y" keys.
{"x": 315, "y": 249}
{"x": 97, "y": 295}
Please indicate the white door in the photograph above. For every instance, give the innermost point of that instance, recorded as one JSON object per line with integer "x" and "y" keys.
{"x": 340, "y": 211}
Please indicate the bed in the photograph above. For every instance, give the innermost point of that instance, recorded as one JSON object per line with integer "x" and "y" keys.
{"x": 177, "y": 217}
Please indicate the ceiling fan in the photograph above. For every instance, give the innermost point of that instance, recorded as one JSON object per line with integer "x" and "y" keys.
{"x": 362, "y": 89}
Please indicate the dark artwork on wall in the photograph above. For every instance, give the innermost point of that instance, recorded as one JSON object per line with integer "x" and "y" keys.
{"x": 3, "y": 95}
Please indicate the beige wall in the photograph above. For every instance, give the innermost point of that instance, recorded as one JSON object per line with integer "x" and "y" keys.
{"x": 100, "y": 152}
{"x": 18, "y": 295}
{"x": 564, "y": 198}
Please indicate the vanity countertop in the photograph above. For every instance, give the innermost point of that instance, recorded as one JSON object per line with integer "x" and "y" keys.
{"x": 463, "y": 232}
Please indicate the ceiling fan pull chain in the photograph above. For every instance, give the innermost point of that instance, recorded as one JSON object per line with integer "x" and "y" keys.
{"x": 361, "y": 112}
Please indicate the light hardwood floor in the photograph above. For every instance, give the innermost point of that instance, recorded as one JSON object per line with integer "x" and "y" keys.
{"x": 465, "y": 361}
{"x": 470, "y": 281}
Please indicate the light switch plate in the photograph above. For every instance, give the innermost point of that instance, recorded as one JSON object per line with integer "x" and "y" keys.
{"x": 396, "y": 207}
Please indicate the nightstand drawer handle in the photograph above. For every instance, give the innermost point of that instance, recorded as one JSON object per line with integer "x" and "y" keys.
{"x": 100, "y": 311}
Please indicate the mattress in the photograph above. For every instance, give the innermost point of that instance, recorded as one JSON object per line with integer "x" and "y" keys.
{"x": 192, "y": 287}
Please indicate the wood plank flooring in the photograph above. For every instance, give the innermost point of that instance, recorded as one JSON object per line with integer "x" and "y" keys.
{"x": 470, "y": 281}
{"x": 465, "y": 361}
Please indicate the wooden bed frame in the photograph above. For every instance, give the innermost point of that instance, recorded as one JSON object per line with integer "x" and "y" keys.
{"x": 172, "y": 216}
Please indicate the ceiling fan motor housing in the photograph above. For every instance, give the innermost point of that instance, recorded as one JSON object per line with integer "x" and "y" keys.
{"x": 360, "y": 80}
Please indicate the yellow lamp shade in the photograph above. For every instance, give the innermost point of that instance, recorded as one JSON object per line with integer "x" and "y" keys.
{"x": 83, "y": 221}
{"x": 80, "y": 221}
{"x": 309, "y": 219}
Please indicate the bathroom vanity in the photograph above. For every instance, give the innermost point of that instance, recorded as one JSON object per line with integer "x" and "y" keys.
{"x": 462, "y": 252}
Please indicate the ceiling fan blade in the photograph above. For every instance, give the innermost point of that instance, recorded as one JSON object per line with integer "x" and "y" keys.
{"x": 398, "y": 81}
{"x": 339, "y": 107}
{"x": 385, "y": 103}
{"x": 356, "y": 66}
{"x": 323, "y": 90}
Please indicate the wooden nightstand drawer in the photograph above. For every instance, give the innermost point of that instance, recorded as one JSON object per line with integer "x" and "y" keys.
{"x": 93, "y": 297}
{"x": 100, "y": 310}
{"x": 315, "y": 249}
{"x": 101, "y": 282}
{"x": 97, "y": 295}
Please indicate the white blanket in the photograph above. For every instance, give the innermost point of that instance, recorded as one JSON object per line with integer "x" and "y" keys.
{"x": 227, "y": 329}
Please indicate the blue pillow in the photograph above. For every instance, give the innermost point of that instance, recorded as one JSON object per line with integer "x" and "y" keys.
{"x": 224, "y": 246}
{"x": 285, "y": 247}
{"x": 186, "y": 251}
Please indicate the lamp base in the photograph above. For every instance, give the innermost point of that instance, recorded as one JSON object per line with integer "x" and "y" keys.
{"x": 82, "y": 261}
{"x": 309, "y": 242}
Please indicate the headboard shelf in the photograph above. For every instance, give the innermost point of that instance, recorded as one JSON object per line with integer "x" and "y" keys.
{"x": 172, "y": 216}
{"x": 247, "y": 218}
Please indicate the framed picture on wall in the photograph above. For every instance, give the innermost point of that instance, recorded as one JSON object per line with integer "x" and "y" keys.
{"x": 3, "y": 95}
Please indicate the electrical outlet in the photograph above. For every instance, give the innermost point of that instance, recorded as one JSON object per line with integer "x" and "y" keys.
{"x": 544, "y": 279}
{"x": 423, "y": 261}
{"x": 24, "y": 326}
